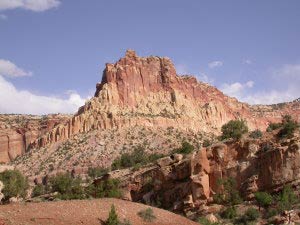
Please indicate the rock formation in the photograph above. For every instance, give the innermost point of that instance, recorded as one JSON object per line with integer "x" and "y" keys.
{"x": 146, "y": 91}
{"x": 187, "y": 184}
{"x": 18, "y": 131}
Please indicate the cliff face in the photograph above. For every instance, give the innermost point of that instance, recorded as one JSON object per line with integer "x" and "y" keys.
{"x": 18, "y": 131}
{"x": 148, "y": 92}
{"x": 188, "y": 184}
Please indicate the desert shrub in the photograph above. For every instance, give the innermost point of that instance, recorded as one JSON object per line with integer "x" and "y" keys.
{"x": 266, "y": 147}
{"x": 251, "y": 214}
{"x": 94, "y": 172}
{"x": 288, "y": 127}
{"x": 271, "y": 212}
{"x": 229, "y": 213}
{"x": 147, "y": 215}
{"x": 273, "y": 126}
{"x": 256, "y": 134}
{"x": 186, "y": 148}
{"x": 112, "y": 217}
{"x": 229, "y": 194}
{"x": 205, "y": 221}
{"x": 135, "y": 159}
{"x": 263, "y": 199}
{"x": 38, "y": 190}
{"x": 67, "y": 186}
{"x": 286, "y": 199}
{"x": 206, "y": 143}
{"x": 15, "y": 184}
{"x": 234, "y": 129}
{"x": 108, "y": 188}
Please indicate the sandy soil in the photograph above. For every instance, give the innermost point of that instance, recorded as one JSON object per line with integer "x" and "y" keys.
{"x": 82, "y": 212}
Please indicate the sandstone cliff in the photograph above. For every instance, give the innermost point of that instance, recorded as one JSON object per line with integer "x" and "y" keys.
{"x": 146, "y": 91}
{"x": 189, "y": 183}
{"x": 18, "y": 131}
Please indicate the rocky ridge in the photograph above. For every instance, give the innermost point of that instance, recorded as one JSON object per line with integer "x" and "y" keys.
{"x": 146, "y": 91}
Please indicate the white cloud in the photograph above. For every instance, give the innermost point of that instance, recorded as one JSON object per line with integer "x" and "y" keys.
{"x": 33, "y": 5}
{"x": 23, "y": 101}
{"x": 285, "y": 81}
{"x": 9, "y": 69}
{"x": 3, "y": 17}
{"x": 236, "y": 89}
{"x": 206, "y": 79}
{"x": 215, "y": 64}
{"x": 181, "y": 69}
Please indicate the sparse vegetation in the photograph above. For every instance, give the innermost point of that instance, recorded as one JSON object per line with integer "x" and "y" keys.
{"x": 256, "y": 134}
{"x": 186, "y": 148}
{"x": 67, "y": 186}
{"x": 205, "y": 221}
{"x": 229, "y": 213}
{"x": 135, "y": 159}
{"x": 38, "y": 190}
{"x": 107, "y": 188}
{"x": 229, "y": 194}
{"x": 15, "y": 184}
{"x": 94, "y": 172}
{"x": 286, "y": 199}
{"x": 112, "y": 217}
{"x": 147, "y": 215}
{"x": 288, "y": 127}
{"x": 251, "y": 214}
{"x": 263, "y": 199}
{"x": 234, "y": 129}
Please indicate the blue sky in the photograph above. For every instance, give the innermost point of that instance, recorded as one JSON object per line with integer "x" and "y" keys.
{"x": 53, "y": 51}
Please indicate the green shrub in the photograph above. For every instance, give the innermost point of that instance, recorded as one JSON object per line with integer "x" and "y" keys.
{"x": 205, "y": 221}
{"x": 288, "y": 128}
{"x": 67, "y": 187}
{"x": 206, "y": 143}
{"x": 234, "y": 129}
{"x": 135, "y": 159}
{"x": 147, "y": 215}
{"x": 38, "y": 190}
{"x": 108, "y": 188}
{"x": 186, "y": 148}
{"x": 15, "y": 184}
{"x": 286, "y": 199}
{"x": 251, "y": 214}
{"x": 112, "y": 217}
{"x": 94, "y": 172}
{"x": 273, "y": 126}
{"x": 270, "y": 213}
{"x": 256, "y": 134}
{"x": 229, "y": 213}
{"x": 263, "y": 199}
{"x": 229, "y": 195}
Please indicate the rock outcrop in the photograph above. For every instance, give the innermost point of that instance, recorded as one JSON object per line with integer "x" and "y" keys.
{"x": 187, "y": 184}
{"x": 18, "y": 131}
{"x": 146, "y": 91}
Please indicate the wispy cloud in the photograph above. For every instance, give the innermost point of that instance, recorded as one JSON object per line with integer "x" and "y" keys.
{"x": 33, "y": 5}
{"x": 9, "y": 69}
{"x": 215, "y": 64}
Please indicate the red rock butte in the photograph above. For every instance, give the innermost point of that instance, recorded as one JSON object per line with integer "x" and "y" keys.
{"x": 147, "y": 91}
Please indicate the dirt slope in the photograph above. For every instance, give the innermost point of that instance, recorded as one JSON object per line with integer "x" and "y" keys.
{"x": 82, "y": 212}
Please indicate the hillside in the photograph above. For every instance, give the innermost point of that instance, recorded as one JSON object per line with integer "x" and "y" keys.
{"x": 87, "y": 212}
